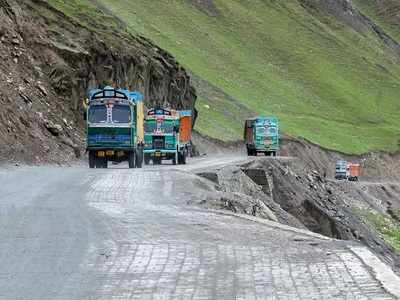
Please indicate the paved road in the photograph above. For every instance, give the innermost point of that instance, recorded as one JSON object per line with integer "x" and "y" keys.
{"x": 74, "y": 233}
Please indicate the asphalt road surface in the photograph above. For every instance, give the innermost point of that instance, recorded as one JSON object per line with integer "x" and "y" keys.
{"x": 75, "y": 233}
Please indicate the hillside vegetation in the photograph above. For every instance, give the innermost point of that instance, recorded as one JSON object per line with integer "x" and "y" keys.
{"x": 332, "y": 83}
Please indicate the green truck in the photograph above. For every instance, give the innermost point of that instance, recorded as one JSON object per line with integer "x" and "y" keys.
{"x": 167, "y": 136}
{"x": 114, "y": 127}
{"x": 261, "y": 135}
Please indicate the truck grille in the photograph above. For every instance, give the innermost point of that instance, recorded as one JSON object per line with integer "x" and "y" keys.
{"x": 158, "y": 142}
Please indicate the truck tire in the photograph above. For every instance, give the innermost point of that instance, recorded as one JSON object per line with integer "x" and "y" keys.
{"x": 131, "y": 160}
{"x": 104, "y": 163}
{"x": 146, "y": 159}
{"x": 177, "y": 158}
{"x": 183, "y": 161}
{"x": 97, "y": 162}
{"x": 156, "y": 161}
{"x": 249, "y": 152}
{"x": 139, "y": 158}
{"x": 92, "y": 159}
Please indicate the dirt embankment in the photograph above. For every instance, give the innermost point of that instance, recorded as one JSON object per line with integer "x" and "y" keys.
{"x": 298, "y": 189}
{"x": 49, "y": 61}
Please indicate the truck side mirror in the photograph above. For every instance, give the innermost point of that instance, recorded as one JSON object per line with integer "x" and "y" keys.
{"x": 176, "y": 129}
{"x": 84, "y": 116}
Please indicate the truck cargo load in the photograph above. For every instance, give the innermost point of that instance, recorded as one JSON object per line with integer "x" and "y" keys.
{"x": 353, "y": 171}
{"x": 185, "y": 126}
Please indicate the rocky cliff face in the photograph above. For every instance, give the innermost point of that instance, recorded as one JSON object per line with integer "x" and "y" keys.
{"x": 49, "y": 61}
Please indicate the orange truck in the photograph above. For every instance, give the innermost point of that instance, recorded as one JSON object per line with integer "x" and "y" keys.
{"x": 353, "y": 171}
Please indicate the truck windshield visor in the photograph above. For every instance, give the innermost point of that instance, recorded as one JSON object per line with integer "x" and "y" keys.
{"x": 98, "y": 114}
{"x": 121, "y": 114}
{"x": 266, "y": 131}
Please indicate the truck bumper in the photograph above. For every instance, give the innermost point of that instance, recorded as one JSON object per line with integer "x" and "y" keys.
{"x": 158, "y": 151}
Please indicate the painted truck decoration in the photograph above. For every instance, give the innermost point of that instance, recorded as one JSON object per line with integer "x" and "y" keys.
{"x": 347, "y": 171}
{"x": 261, "y": 135}
{"x": 114, "y": 120}
{"x": 167, "y": 135}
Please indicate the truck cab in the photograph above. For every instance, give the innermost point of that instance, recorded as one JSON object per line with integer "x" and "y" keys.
{"x": 112, "y": 117}
{"x": 341, "y": 170}
{"x": 261, "y": 135}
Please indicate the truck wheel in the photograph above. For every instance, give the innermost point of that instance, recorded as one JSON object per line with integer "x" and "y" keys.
{"x": 131, "y": 159}
{"x": 177, "y": 158}
{"x": 139, "y": 158}
{"x": 249, "y": 152}
{"x": 97, "y": 162}
{"x": 156, "y": 161}
{"x": 183, "y": 158}
{"x": 104, "y": 163}
{"x": 146, "y": 159}
{"x": 92, "y": 159}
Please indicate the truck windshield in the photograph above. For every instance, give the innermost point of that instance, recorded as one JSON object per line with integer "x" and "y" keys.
{"x": 121, "y": 114}
{"x": 98, "y": 114}
{"x": 167, "y": 127}
{"x": 150, "y": 127}
{"x": 266, "y": 131}
{"x": 162, "y": 127}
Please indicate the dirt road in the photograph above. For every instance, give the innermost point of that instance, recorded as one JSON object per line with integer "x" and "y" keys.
{"x": 75, "y": 233}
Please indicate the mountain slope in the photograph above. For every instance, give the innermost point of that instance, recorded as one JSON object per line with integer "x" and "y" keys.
{"x": 321, "y": 67}
{"x": 52, "y": 52}
{"x": 386, "y": 13}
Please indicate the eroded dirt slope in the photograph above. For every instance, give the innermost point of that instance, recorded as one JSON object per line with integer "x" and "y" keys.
{"x": 50, "y": 60}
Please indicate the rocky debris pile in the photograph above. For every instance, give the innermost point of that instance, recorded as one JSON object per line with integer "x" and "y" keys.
{"x": 49, "y": 61}
{"x": 298, "y": 196}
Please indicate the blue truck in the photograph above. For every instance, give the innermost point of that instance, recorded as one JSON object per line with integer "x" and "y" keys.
{"x": 114, "y": 127}
{"x": 261, "y": 135}
{"x": 341, "y": 170}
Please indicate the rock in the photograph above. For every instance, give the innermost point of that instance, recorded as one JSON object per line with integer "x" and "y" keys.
{"x": 213, "y": 176}
{"x": 15, "y": 41}
{"x": 42, "y": 89}
{"x": 54, "y": 129}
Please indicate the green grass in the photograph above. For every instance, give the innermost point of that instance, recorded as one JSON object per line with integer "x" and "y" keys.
{"x": 382, "y": 17}
{"x": 91, "y": 17}
{"x": 388, "y": 229}
{"x": 326, "y": 82}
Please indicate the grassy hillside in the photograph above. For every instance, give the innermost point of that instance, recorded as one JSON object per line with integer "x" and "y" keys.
{"x": 386, "y": 13}
{"x": 326, "y": 82}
